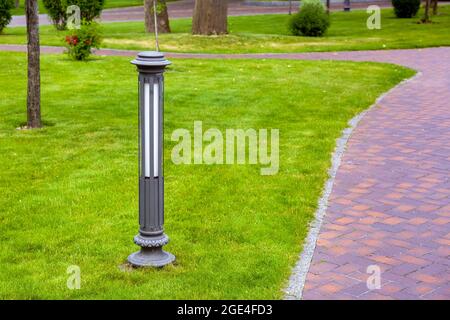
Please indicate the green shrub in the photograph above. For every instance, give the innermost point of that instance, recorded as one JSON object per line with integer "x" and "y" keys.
{"x": 79, "y": 42}
{"x": 56, "y": 12}
{"x": 5, "y": 13}
{"x": 89, "y": 10}
{"x": 312, "y": 20}
{"x": 406, "y": 8}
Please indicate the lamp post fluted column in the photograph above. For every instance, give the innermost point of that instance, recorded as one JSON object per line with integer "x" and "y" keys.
{"x": 151, "y": 238}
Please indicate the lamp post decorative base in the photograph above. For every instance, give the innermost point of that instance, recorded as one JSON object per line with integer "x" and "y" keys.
{"x": 151, "y": 257}
{"x": 151, "y": 253}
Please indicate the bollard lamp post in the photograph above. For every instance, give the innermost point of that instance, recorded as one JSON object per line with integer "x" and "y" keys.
{"x": 151, "y": 238}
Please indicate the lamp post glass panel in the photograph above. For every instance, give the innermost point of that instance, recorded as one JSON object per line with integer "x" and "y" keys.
{"x": 151, "y": 237}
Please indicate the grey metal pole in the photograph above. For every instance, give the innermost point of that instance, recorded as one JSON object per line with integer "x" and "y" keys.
{"x": 151, "y": 238}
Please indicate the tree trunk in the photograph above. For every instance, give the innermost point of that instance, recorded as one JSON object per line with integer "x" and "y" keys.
{"x": 17, "y": 3}
{"x": 34, "y": 77}
{"x": 162, "y": 16}
{"x": 435, "y": 7}
{"x": 290, "y": 7}
{"x": 328, "y": 6}
{"x": 210, "y": 17}
{"x": 426, "y": 17}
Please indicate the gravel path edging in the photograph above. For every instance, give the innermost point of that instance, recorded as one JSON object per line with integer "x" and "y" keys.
{"x": 294, "y": 289}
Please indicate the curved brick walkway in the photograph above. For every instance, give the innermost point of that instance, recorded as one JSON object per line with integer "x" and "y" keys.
{"x": 390, "y": 203}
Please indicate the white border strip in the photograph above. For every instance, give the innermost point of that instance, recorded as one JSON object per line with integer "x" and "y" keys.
{"x": 294, "y": 290}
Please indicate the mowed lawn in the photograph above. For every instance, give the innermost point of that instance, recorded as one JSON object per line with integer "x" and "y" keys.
{"x": 269, "y": 33}
{"x": 69, "y": 191}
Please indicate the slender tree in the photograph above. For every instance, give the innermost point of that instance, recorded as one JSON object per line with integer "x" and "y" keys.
{"x": 210, "y": 17}
{"x": 328, "y": 6}
{"x": 17, "y": 3}
{"x": 34, "y": 75}
{"x": 161, "y": 13}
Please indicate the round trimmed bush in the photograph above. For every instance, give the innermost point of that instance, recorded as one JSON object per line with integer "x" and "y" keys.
{"x": 312, "y": 20}
{"x": 90, "y": 9}
{"x": 5, "y": 13}
{"x": 406, "y": 8}
{"x": 56, "y": 12}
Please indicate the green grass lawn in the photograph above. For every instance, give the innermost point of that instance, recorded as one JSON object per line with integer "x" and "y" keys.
{"x": 69, "y": 191}
{"x": 108, "y": 5}
{"x": 269, "y": 33}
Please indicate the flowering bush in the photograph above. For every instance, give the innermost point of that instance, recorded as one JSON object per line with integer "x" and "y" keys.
{"x": 57, "y": 10}
{"x": 79, "y": 42}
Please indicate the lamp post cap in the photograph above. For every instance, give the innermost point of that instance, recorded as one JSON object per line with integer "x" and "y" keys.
{"x": 150, "y": 59}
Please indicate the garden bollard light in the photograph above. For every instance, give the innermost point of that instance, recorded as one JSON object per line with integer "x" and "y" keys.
{"x": 151, "y": 237}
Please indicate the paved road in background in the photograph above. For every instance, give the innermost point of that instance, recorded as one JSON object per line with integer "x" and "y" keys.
{"x": 181, "y": 9}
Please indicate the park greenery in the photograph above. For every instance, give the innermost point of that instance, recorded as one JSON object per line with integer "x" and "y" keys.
{"x": 311, "y": 21}
{"x": 5, "y": 13}
{"x": 57, "y": 10}
{"x": 69, "y": 192}
{"x": 406, "y": 8}
{"x": 268, "y": 33}
{"x": 71, "y": 195}
{"x": 80, "y": 41}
